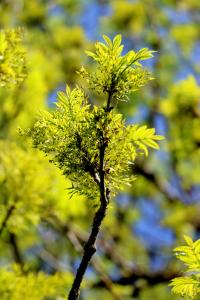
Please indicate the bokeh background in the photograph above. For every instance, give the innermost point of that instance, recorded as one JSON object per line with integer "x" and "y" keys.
{"x": 47, "y": 228}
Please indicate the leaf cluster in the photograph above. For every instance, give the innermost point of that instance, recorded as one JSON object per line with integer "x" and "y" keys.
{"x": 74, "y": 133}
{"x": 116, "y": 73}
{"x": 72, "y": 143}
{"x": 190, "y": 284}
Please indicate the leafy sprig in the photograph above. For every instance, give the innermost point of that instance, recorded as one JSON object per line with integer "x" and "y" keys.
{"x": 190, "y": 256}
{"x": 121, "y": 74}
{"x": 92, "y": 145}
{"x": 71, "y": 137}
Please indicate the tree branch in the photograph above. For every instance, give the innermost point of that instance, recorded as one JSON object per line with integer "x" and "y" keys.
{"x": 15, "y": 249}
{"x": 150, "y": 279}
{"x": 95, "y": 264}
{"x": 7, "y": 216}
{"x": 89, "y": 248}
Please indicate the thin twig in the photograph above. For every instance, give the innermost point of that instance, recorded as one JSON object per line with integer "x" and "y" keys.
{"x": 15, "y": 249}
{"x": 7, "y": 216}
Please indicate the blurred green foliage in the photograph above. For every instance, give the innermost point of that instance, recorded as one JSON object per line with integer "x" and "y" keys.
{"x": 14, "y": 285}
{"x": 12, "y": 58}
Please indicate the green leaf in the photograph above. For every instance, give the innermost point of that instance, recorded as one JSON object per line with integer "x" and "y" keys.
{"x": 117, "y": 41}
{"x": 188, "y": 240}
{"x": 91, "y": 54}
{"x": 108, "y": 41}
